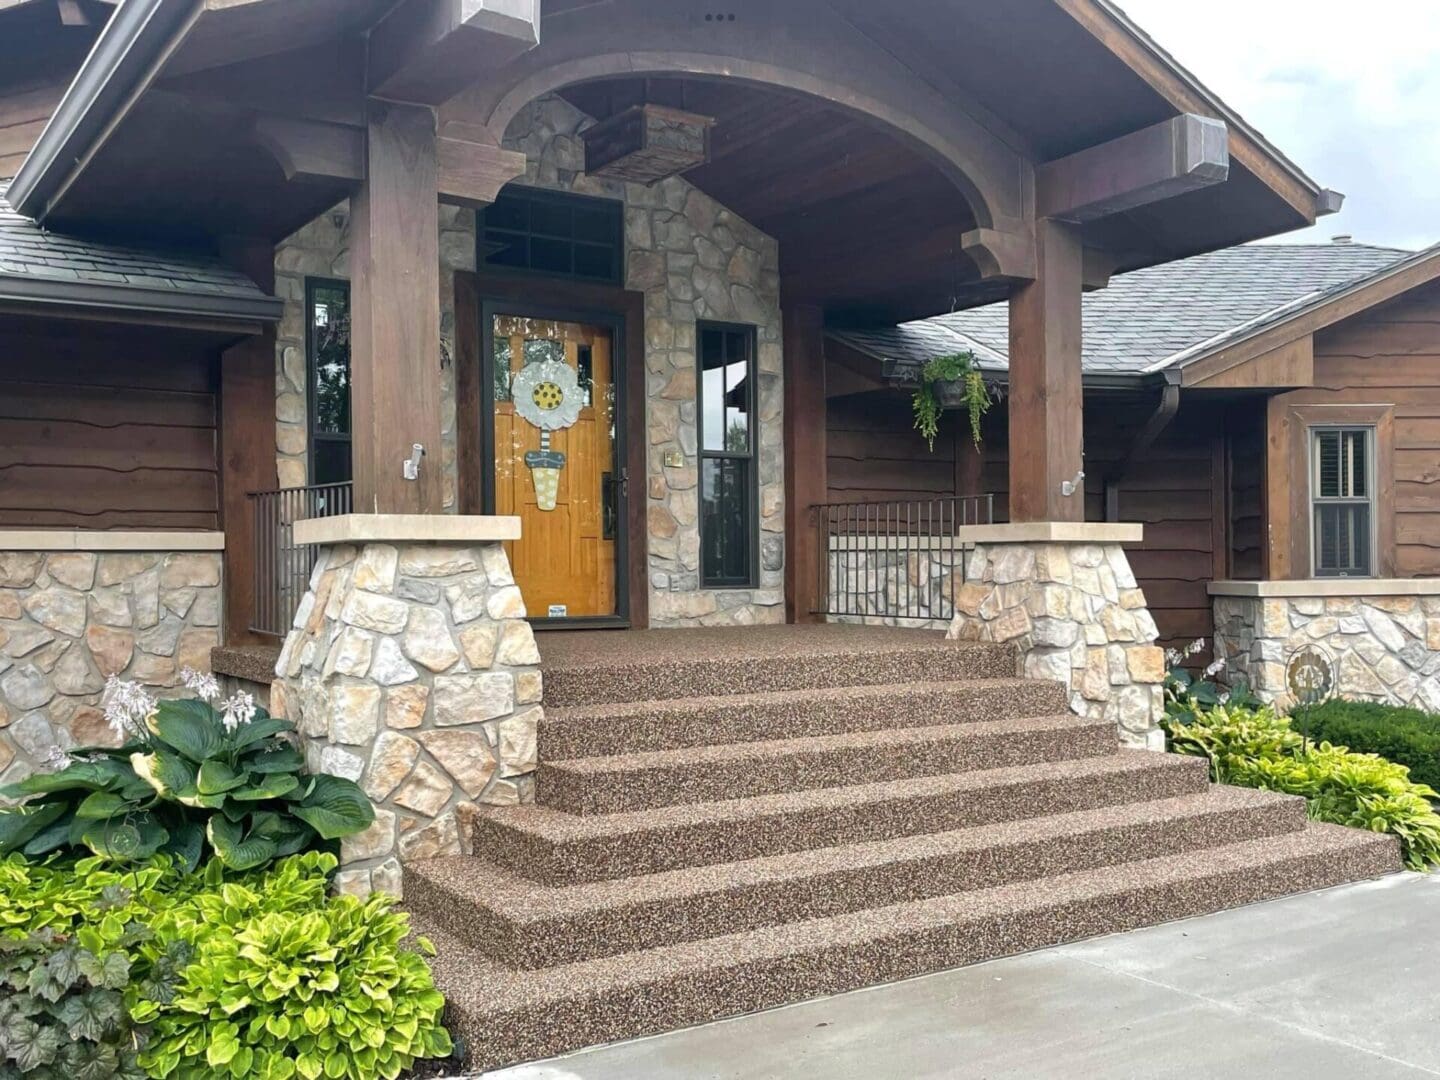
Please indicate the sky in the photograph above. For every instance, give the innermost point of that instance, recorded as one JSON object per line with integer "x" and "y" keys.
{"x": 1348, "y": 91}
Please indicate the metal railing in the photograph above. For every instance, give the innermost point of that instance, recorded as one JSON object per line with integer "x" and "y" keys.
{"x": 282, "y": 567}
{"x": 895, "y": 562}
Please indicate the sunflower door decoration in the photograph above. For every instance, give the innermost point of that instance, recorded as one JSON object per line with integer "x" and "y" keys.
{"x": 547, "y": 394}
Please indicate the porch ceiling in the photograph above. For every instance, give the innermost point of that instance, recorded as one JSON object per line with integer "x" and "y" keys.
{"x": 869, "y": 223}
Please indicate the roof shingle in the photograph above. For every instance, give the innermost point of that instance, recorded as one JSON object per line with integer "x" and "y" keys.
{"x": 1148, "y": 316}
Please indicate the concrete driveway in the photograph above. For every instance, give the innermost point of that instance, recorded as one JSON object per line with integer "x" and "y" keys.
{"x": 1343, "y": 983}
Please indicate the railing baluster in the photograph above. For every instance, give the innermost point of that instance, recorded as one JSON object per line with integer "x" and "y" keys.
{"x": 281, "y": 566}
{"x": 892, "y": 561}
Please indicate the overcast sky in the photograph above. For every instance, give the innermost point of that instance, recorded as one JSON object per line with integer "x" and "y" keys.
{"x": 1348, "y": 91}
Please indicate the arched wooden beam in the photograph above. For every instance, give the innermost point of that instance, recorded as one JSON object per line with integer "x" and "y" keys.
{"x": 801, "y": 47}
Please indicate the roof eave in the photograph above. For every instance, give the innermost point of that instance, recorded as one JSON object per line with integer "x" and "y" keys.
{"x": 123, "y": 62}
{"x": 1305, "y": 306}
{"x": 160, "y": 306}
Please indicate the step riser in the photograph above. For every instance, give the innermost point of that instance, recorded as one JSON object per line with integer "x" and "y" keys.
{"x": 663, "y": 726}
{"x": 584, "y": 936}
{"x": 624, "y": 790}
{"x": 709, "y": 676}
{"x": 528, "y": 1032}
{"x": 655, "y": 850}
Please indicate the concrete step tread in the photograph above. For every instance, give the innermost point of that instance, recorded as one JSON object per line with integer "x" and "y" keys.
{"x": 559, "y": 827}
{"x": 561, "y": 715}
{"x": 487, "y": 992}
{"x": 469, "y": 880}
{"x": 892, "y": 739}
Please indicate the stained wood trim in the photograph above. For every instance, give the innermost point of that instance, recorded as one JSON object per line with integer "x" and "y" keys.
{"x": 1288, "y": 482}
{"x": 472, "y": 290}
{"x": 1285, "y": 366}
{"x": 806, "y": 458}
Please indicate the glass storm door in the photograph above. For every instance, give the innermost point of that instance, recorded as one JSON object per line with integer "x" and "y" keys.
{"x": 554, "y": 424}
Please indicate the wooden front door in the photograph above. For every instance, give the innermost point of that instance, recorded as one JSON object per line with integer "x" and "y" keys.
{"x": 553, "y": 456}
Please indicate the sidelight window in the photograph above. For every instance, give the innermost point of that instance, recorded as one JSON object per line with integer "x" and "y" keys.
{"x": 328, "y": 355}
{"x": 728, "y": 480}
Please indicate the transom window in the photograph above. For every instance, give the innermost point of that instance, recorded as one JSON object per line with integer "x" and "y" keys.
{"x": 728, "y": 518}
{"x": 327, "y": 306}
{"x": 553, "y": 233}
{"x": 1342, "y": 496}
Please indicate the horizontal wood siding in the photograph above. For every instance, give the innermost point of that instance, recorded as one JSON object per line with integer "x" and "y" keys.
{"x": 1391, "y": 355}
{"x": 106, "y": 430}
{"x": 1245, "y": 450}
{"x": 23, "y": 115}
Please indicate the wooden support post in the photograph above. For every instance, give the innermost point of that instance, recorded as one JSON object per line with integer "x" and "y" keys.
{"x": 806, "y": 474}
{"x": 395, "y": 316}
{"x": 246, "y": 444}
{"x": 1046, "y": 401}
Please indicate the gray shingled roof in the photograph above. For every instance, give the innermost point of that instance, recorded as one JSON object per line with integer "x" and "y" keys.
{"x": 1145, "y": 319}
{"x": 37, "y": 265}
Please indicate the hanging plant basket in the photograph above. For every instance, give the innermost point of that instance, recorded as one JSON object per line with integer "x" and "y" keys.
{"x": 975, "y": 395}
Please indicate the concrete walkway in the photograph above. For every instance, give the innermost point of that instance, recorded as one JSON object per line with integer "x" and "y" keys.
{"x": 1343, "y": 983}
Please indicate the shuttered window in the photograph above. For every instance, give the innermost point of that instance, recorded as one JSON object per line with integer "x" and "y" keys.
{"x": 1341, "y": 491}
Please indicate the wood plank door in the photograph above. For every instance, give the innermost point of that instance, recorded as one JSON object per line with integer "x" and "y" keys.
{"x": 554, "y": 429}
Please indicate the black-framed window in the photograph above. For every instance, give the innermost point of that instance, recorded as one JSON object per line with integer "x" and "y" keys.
{"x": 1342, "y": 501}
{"x": 728, "y": 438}
{"x": 554, "y": 233}
{"x": 327, "y": 319}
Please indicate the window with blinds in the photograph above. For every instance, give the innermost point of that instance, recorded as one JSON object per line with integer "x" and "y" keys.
{"x": 1341, "y": 492}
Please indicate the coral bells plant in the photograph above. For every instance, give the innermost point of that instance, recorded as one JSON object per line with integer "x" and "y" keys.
{"x": 203, "y": 775}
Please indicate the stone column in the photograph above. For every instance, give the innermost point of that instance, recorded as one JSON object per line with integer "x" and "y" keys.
{"x": 1064, "y": 594}
{"x": 410, "y": 668}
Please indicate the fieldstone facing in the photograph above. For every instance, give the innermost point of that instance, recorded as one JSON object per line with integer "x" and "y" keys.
{"x": 1385, "y": 648}
{"x": 69, "y": 620}
{"x": 403, "y": 670}
{"x": 1076, "y": 615}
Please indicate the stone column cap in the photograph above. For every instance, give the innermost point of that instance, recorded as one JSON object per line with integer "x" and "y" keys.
{"x": 1053, "y": 532}
{"x": 407, "y": 529}
{"x": 1321, "y": 587}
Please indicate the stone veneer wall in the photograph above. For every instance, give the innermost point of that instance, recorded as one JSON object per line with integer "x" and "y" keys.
{"x": 1385, "y": 648}
{"x": 693, "y": 259}
{"x": 1077, "y": 616}
{"x": 69, "y": 619}
{"x": 411, "y": 669}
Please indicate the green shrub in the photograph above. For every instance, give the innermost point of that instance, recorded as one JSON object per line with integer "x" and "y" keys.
{"x": 191, "y": 777}
{"x": 1256, "y": 748}
{"x": 287, "y": 981}
{"x": 261, "y": 974}
{"x": 70, "y": 957}
{"x": 1407, "y": 736}
{"x": 1230, "y": 736}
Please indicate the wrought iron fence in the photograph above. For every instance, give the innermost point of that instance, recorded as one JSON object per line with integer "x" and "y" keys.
{"x": 895, "y": 562}
{"x": 282, "y": 567}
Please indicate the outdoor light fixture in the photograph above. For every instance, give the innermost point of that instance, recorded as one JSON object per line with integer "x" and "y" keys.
{"x": 411, "y": 466}
{"x": 1070, "y": 487}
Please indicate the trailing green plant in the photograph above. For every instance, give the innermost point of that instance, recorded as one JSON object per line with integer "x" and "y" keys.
{"x": 288, "y": 981}
{"x": 192, "y": 776}
{"x": 1188, "y": 694}
{"x": 1408, "y": 736}
{"x": 975, "y": 395}
{"x": 1257, "y": 748}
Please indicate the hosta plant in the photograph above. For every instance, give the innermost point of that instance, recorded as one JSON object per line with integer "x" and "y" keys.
{"x": 287, "y": 981}
{"x": 193, "y": 776}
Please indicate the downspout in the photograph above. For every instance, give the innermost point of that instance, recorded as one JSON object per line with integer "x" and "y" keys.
{"x": 1153, "y": 428}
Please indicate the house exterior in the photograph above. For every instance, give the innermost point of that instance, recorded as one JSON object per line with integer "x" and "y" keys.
{"x": 1265, "y": 410}
{"x": 396, "y": 359}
